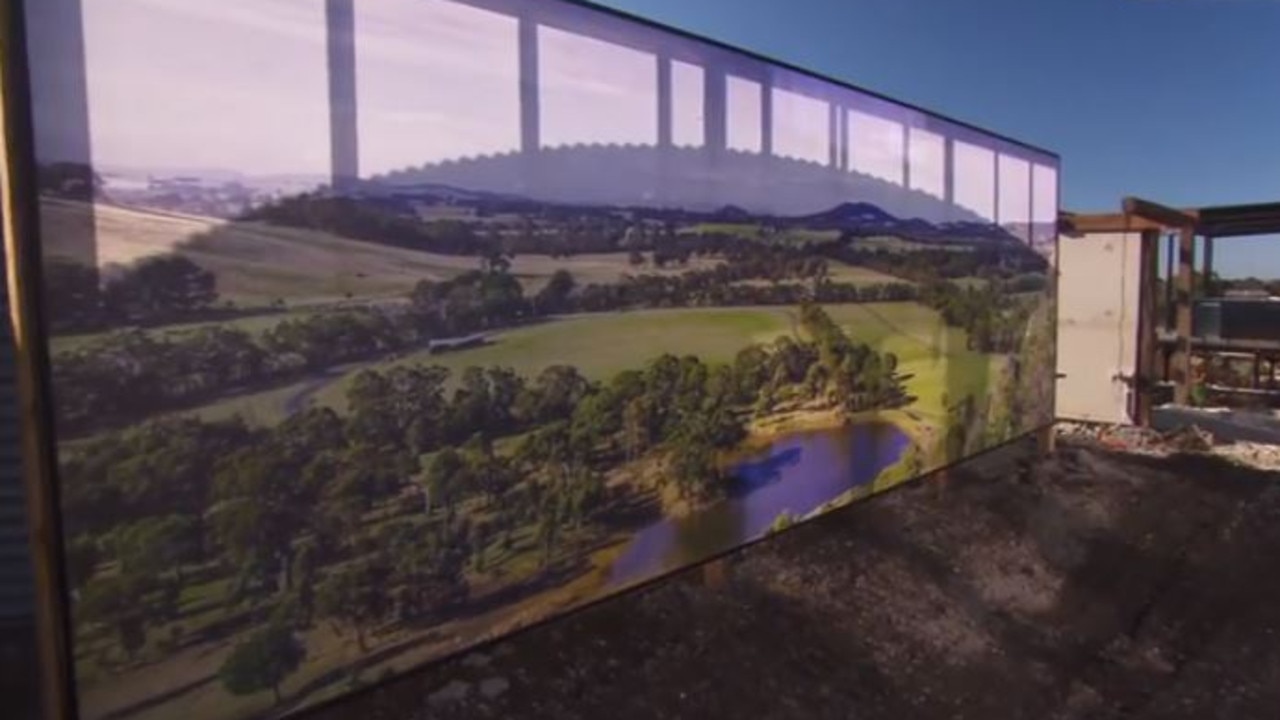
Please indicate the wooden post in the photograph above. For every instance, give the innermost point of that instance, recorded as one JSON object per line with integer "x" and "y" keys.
{"x": 1170, "y": 273}
{"x": 1046, "y": 441}
{"x": 1208, "y": 289}
{"x": 1144, "y": 377}
{"x": 1185, "y": 289}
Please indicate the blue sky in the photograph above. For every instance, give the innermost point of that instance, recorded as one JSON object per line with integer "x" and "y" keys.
{"x": 1177, "y": 101}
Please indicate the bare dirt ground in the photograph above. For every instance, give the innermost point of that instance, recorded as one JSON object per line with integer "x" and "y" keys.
{"x": 1098, "y": 584}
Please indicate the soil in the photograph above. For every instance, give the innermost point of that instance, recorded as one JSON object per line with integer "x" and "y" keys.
{"x": 1096, "y": 584}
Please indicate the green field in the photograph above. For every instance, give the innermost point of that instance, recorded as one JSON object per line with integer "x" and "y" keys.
{"x": 840, "y": 273}
{"x": 605, "y": 344}
{"x": 253, "y": 324}
{"x": 753, "y": 231}
{"x": 897, "y": 244}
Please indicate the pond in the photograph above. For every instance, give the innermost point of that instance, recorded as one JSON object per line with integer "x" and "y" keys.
{"x": 795, "y": 473}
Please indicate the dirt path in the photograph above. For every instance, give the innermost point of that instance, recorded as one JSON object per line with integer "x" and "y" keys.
{"x": 1097, "y": 585}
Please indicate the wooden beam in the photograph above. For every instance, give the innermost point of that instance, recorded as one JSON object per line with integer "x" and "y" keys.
{"x": 1166, "y": 216}
{"x": 1105, "y": 222}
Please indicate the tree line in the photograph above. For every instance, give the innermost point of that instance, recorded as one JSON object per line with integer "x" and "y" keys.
{"x": 132, "y": 374}
{"x": 314, "y": 519}
{"x": 155, "y": 290}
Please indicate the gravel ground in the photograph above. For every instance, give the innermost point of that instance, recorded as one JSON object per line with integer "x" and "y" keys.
{"x": 1097, "y": 584}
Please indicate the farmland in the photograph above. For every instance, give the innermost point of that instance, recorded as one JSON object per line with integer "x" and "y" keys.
{"x": 935, "y": 357}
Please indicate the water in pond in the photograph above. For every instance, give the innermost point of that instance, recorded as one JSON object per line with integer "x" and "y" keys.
{"x": 795, "y": 473}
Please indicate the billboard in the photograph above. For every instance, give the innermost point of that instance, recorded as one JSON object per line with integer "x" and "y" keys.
{"x": 378, "y": 329}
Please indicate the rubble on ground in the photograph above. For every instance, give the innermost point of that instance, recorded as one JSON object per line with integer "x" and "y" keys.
{"x": 1185, "y": 439}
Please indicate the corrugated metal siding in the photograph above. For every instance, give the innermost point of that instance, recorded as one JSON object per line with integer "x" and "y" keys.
{"x": 16, "y": 594}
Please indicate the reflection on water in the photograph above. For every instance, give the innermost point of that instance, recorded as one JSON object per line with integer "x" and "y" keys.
{"x": 795, "y": 473}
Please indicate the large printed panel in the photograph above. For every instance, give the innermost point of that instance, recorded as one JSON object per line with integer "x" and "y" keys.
{"x": 381, "y": 328}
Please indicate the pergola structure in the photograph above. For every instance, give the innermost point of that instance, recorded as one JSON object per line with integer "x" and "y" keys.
{"x": 1153, "y": 220}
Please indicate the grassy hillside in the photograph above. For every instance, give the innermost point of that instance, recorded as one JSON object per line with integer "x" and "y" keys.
{"x": 256, "y": 263}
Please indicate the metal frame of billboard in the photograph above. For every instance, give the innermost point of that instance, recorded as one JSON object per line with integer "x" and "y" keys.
{"x": 26, "y": 284}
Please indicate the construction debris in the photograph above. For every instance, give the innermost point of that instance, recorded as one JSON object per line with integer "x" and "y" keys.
{"x": 1181, "y": 440}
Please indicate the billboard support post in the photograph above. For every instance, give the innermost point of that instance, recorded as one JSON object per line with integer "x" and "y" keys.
{"x": 18, "y": 180}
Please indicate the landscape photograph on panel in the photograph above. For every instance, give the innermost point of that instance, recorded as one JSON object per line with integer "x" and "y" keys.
{"x": 404, "y": 324}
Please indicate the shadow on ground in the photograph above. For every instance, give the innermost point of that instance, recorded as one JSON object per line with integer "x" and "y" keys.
{"x": 1095, "y": 585}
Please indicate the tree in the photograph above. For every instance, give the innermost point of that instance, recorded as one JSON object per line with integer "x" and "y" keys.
{"x": 306, "y": 567}
{"x": 446, "y": 478}
{"x": 161, "y": 287}
{"x": 159, "y": 544}
{"x": 554, "y": 297}
{"x": 636, "y": 427}
{"x": 114, "y": 601}
{"x": 557, "y": 391}
{"x": 76, "y": 303}
{"x": 262, "y": 661}
{"x": 356, "y": 596}
{"x": 69, "y": 180}
{"x": 82, "y": 555}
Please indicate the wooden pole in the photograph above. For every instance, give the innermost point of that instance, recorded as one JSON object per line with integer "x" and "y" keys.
{"x": 1046, "y": 441}
{"x": 1208, "y": 290}
{"x": 1185, "y": 291}
{"x": 1144, "y": 375}
{"x": 1170, "y": 273}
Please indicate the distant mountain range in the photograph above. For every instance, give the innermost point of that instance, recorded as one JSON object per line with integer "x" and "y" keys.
{"x": 686, "y": 182}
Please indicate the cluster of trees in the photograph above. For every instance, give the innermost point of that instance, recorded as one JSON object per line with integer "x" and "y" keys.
{"x": 851, "y": 374}
{"x": 924, "y": 264}
{"x": 69, "y": 180}
{"x": 154, "y": 290}
{"x": 132, "y": 374}
{"x": 310, "y": 520}
{"x": 993, "y": 321}
{"x": 367, "y": 220}
{"x": 543, "y": 230}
